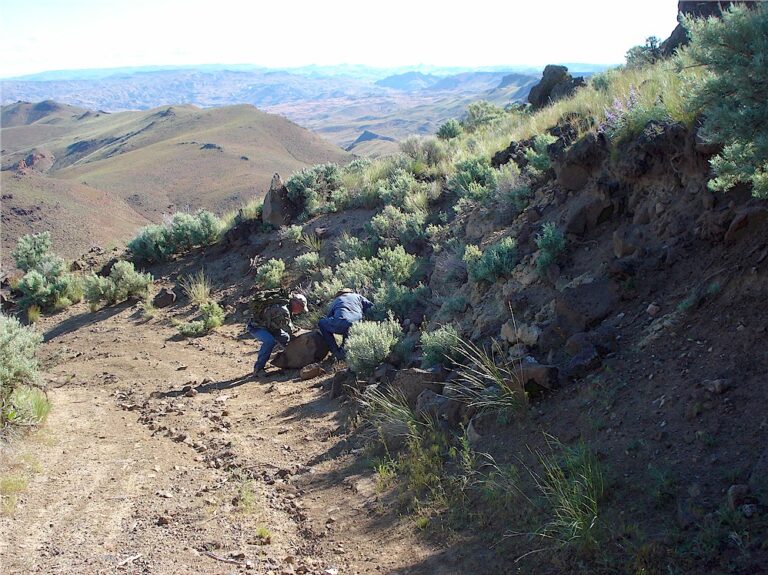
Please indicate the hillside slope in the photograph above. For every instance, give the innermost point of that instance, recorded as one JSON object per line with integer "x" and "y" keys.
{"x": 70, "y": 162}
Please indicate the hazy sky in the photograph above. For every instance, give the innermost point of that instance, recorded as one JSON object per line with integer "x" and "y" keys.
{"x": 41, "y": 35}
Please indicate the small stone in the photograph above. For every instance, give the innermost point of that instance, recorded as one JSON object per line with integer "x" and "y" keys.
{"x": 163, "y": 520}
{"x": 716, "y": 386}
{"x": 250, "y": 564}
{"x": 749, "y": 510}
{"x": 191, "y": 392}
{"x": 737, "y": 495}
{"x": 653, "y": 310}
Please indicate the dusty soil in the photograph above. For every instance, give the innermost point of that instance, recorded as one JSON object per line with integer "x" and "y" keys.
{"x": 136, "y": 475}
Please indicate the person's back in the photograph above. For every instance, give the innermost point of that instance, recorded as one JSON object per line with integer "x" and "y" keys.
{"x": 350, "y": 307}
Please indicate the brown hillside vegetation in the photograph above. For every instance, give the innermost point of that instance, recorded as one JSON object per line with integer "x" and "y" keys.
{"x": 143, "y": 164}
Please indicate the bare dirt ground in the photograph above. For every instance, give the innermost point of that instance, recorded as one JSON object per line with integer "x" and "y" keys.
{"x": 161, "y": 457}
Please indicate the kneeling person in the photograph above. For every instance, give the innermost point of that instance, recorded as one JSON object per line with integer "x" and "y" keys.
{"x": 347, "y": 308}
{"x": 272, "y": 324}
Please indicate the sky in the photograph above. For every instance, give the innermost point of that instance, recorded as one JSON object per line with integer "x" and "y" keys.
{"x": 45, "y": 35}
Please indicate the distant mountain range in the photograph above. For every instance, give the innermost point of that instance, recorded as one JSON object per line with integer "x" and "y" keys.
{"x": 340, "y": 102}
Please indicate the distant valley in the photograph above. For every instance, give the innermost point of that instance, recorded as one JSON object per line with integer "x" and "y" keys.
{"x": 341, "y": 103}
{"x": 93, "y": 177}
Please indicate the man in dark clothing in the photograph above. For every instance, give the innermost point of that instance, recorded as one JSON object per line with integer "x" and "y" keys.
{"x": 274, "y": 325}
{"x": 348, "y": 308}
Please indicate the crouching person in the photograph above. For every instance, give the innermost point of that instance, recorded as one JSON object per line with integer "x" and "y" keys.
{"x": 347, "y": 308}
{"x": 272, "y": 323}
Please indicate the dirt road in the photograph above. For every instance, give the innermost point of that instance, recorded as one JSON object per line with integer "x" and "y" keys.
{"x": 161, "y": 457}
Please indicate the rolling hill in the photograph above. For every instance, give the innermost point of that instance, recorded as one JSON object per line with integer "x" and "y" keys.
{"x": 91, "y": 176}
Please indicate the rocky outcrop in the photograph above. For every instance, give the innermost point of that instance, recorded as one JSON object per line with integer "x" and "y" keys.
{"x": 697, "y": 9}
{"x": 278, "y": 208}
{"x": 556, "y": 83}
{"x": 574, "y": 166}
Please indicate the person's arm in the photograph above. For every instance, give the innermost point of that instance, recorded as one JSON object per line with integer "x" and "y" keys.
{"x": 367, "y": 304}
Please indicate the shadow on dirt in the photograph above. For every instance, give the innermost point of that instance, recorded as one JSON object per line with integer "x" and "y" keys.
{"x": 85, "y": 319}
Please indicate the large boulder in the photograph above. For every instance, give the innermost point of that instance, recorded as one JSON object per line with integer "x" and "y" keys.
{"x": 587, "y": 212}
{"x": 575, "y": 166}
{"x": 301, "y": 351}
{"x": 410, "y": 383}
{"x": 278, "y": 208}
{"x": 583, "y": 306}
{"x": 556, "y": 83}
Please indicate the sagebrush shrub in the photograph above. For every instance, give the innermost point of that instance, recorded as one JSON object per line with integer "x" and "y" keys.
{"x": 179, "y": 234}
{"x": 46, "y": 283}
{"x": 369, "y": 343}
{"x": 440, "y": 346}
{"x": 393, "y": 226}
{"x": 399, "y": 300}
{"x": 396, "y": 265}
{"x": 481, "y": 113}
{"x": 551, "y": 242}
{"x": 309, "y": 262}
{"x": 31, "y": 250}
{"x": 537, "y": 156}
{"x": 292, "y": 233}
{"x": 212, "y": 316}
{"x": 449, "y": 130}
{"x": 474, "y": 178}
{"x": 494, "y": 262}
{"x": 311, "y": 187}
{"x": 733, "y": 94}
{"x": 18, "y": 348}
{"x": 269, "y": 275}
{"x": 349, "y": 247}
{"x": 123, "y": 282}
{"x": 649, "y": 53}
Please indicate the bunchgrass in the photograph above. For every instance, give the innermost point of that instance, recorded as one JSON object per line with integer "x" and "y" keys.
{"x": 197, "y": 287}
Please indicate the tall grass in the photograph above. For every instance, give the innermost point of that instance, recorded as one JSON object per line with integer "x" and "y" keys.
{"x": 196, "y": 287}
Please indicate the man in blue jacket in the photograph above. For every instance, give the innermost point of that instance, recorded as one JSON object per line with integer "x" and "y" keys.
{"x": 347, "y": 308}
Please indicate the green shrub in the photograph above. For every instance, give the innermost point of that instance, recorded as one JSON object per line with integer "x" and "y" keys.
{"x": 358, "y": 273}
{"x": 537, "y": 156}
{"x": 18, "y": 362}
{"x": 481, "y": 113}
{"x": 395, "y": 264}
{"x": 474, "y": 178}
{"x": 649, "y": 53}
{"x": 26, "y": 406}
{"x": 291, "y": 233}
{"x": 393, "y": 226}
{"x": 497, "y": 260}
{"x": 454, "y": 305}
{"x": 551, "y": 242}
{"x": 310, "y": 188}
{"x": 269, "y": 275}
{"x": 123, "y": 282}
{"x": 181, "y": 233}
{"x": 369, "y": 343}
{"x": 32, "y": 251}
{"x": 307, "y": 263}
{"x": 733, "y": 94}
{"x": 212, "y": 316}
{"x": 46, "y": 283}
{"x": 398, "y": 300}
{"x": 440, "y": 346}
{"x": 449, "y": 130}
{"x": 349, "y": 248}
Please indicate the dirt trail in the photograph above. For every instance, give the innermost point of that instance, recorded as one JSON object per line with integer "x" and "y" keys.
{"x": 161, "y": 457}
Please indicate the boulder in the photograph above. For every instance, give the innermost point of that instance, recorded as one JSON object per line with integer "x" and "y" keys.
{"x": 585, "y": 305}
{"x": 164, "y": 298}
{"x": 627, "y": 241}
{"x": 586, "y": 360}
{"x": 587, "y": 212}
{"x": 410, "y": 383}
{"x": 514, "y": 333}
{"x": 302, "y": 350}
{"x": 278, "y": 208}
{"x": 534, "y": 377}
{"x": 556, "y": 83}
{"x": 438, "y": 407}
{"x": 573, "y": 167}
